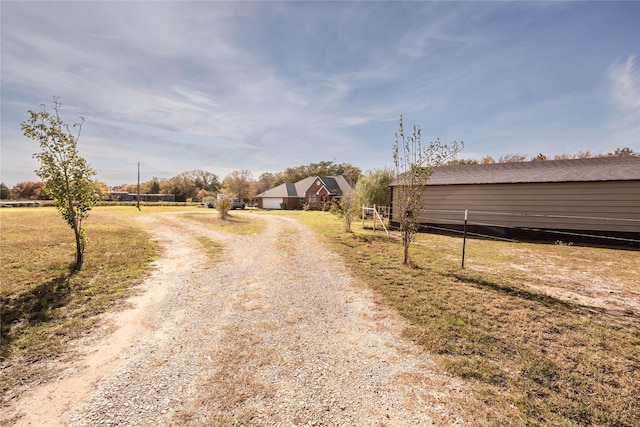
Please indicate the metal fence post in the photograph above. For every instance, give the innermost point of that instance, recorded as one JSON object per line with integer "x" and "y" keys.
{"x": 464, "y": 235}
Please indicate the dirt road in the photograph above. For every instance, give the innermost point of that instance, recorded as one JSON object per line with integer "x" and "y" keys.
{"x": 277, "y": 333}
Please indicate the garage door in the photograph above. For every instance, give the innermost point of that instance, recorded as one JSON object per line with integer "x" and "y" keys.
{"x": 271, "y": 202}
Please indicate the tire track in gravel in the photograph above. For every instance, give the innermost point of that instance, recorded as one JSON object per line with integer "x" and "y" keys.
{"x": 275, "y": 334}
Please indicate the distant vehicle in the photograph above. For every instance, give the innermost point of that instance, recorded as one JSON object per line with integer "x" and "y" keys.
{"x": 207, "y": 205}
{"x": 237, "y": 204}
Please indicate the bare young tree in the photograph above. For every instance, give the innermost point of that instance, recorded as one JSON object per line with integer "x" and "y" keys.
{"x": 345, "y": 209}
{"x": 414, "y": 164}
{"x": 66, "y": 175}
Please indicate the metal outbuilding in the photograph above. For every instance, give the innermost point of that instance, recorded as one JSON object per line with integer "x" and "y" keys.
{"x": 567, "y": 200}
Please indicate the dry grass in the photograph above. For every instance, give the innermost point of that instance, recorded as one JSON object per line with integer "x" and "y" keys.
{"x": 529, "y": 327}
{"x": 213, "y": 249}
{"x": 543, "y": 335}
{"x": 227, "y": 393}
{"x": 236, "y": 223}
{"x": 44, "y": 306}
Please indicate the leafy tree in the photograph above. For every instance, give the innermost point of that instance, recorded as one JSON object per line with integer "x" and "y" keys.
{"x": 487, "y": 160}
{"x": 349, "y": 171}
{"x": 203, "y": 195}
{"x": 4, "y": 191}
{"x": 181, "y": 185}
{"x": 154, "y": 186}
{"x": 101, "y": 189}
{"x": 66, "y": 175}
{"x": 626, "y": 151}
{"x": 373, "y": 188}
{"x": 345, "y": 209}
{"x": 28, "y": 190}
{"x": 512, "y": 158}
{"x": 147, "y": 187}
{"x": 328, "y": 168}
{"x": 619, "y": 152}
{"x": 205, "y": 180}
{"x": 133, "y": 188}
{"x": 455, "y": 162}
{"x": 239, "y": 184}
{"x": 414, "y": 164}
{"x": 265, "y": 182}
{"x": 186, "y": 185}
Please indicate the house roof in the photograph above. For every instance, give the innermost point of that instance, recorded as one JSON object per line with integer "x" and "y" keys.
{"x": 625, "y": 168}
{"x": 335, "y": 185}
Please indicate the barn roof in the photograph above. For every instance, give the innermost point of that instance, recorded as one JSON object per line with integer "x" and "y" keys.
{"x": 574, "y": 170}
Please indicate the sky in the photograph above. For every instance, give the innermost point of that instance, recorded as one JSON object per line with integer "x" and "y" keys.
{"x": 223, "y": 86}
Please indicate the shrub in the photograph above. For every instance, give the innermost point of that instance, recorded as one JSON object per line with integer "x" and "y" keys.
{"x": 223, "y": 206}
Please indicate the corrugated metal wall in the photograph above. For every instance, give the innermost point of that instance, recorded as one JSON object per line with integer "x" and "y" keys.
{"x": 537, "y": 205}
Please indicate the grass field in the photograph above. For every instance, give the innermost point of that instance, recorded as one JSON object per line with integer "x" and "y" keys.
{"x": 541, "y": 334}
{"x": 44, "y": 306}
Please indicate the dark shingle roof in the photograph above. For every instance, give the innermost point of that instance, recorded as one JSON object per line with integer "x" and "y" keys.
{"x": 290, "y": 189}
{"x": 574, "y": 170}
{"x": 336, "y": 185}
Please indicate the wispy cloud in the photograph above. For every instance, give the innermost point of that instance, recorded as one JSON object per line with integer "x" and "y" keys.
{"x": 624, "y": 80}
{"x": 267, "y": 85}
{"x": 624, "y": 94}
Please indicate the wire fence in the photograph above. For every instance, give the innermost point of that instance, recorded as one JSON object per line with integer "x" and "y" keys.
{"x": 515, "y": 226}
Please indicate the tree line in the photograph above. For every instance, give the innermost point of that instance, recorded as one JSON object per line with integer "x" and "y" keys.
{"x": 200, "y": 185}
{"x": 515, "y": 158}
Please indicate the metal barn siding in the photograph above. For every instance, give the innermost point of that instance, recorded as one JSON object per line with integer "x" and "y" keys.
{"x": 576, "y": 198}
{"x": 565, "y": 206}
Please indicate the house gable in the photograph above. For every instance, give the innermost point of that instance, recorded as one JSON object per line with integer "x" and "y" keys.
{"x": 315, "y": 191}
{"x": 316, "y": 188}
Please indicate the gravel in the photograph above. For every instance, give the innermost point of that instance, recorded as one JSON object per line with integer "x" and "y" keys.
{"x": 278, "y": 333}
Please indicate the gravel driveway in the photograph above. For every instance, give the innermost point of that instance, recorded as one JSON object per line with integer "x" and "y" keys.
{"x": 276, "y": 334}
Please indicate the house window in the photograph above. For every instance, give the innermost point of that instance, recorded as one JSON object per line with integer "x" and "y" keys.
{"x": 313, "y": 201}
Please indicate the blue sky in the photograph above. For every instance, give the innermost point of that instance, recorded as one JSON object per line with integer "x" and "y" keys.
{"x": 263, "y": 86}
